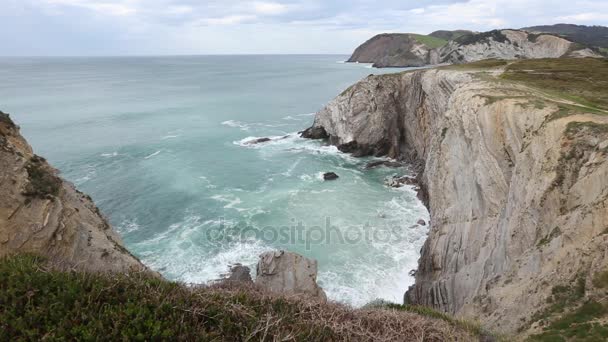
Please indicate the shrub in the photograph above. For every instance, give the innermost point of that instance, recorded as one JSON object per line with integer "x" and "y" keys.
{"x": 43, "y": 183}
{"x": 37, "y": 302}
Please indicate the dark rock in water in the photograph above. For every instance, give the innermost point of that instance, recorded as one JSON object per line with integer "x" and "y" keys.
{"x": 387, "y": 163}
{"x": 330, "y": 176}
{"x": 362, "y": 150}
{"x": 314, "y": 133}
{"x": 421, "y": 222}
{"x": 399, "y": 181}
{"x": 238, "y": 273}
{"x": 257, "y": 141}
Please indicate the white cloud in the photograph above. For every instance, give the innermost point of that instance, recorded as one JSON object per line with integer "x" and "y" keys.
{"x": 227, "y": 20}
{"x": 584, "y": 17}
{"x": 180, "y": 10}
{"x": 108, "y": 8}
{"x": 269, "y": 8}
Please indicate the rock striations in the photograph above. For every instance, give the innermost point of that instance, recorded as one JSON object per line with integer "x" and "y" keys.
{"x": 42, "y": 214}
{"x": 411, "y": 50}
{"x": 517, "y": 184}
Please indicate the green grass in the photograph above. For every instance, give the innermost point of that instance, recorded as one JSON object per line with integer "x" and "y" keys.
{"x": 571, "y": 317}
{"x": 580, "y": 80}
{"x": 430, "y": 41}
{"x": 39, "y": 303}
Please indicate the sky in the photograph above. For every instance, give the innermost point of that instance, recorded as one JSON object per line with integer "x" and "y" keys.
{"x": 192, "y": 27}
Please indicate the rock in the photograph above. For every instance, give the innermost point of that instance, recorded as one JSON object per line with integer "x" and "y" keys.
{"x": 238, "y": 273}
{"x": 421, "y": 222}
{"x": 399, "y": 181}
{"x": 405, "y": 50}
{"x": 257, "y": 141}
{"x": 495, "y": 193}
{"x": 314, "y": 133}
{"x": 42, "y": 214}
{"x": 289, "y": 273}
{"x": 330, "y": 176}
{"x": 387, "y": 163}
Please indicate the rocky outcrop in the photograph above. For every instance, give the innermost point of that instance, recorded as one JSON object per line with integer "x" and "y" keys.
{"x": 505, "y": 44}
{"x": 407, "y": 50}
{"x": 288, "y": 273}
{"x": 394, "y": 49}
{"x": 41, "y": 213}
{"x": 517, "y": 190}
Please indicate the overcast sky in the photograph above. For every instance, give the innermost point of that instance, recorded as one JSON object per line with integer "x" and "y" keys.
{"x": 160, "y": 27}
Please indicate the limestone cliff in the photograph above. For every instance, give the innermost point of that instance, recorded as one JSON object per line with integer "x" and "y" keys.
{"x": 396, "y": 49}
{"x": 41, "y": 213}
{"x": 404, "y": 50}
{"x": 517, "y": 179}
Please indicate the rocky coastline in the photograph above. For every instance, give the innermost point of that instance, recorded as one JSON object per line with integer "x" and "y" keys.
{"x": 500, "y": 165}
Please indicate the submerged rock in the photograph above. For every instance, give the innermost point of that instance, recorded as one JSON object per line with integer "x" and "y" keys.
{"x": 257, "y": 141}
{"x": 289, "y": 273}
{"x": 330, "y": 176}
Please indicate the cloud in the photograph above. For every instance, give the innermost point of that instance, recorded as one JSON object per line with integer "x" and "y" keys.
{"x": 584, "y": 17}
{"x": 228, "y": 20}
{"x": 269, "y": 8}
{"x": 259, "y": 26}
{"x": 108, "y": 8}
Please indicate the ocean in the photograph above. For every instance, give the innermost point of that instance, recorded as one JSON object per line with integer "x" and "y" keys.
{"x": 161, "y": 145}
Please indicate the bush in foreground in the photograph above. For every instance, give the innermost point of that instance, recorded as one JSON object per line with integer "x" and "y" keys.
{"x": 39, "y": 303}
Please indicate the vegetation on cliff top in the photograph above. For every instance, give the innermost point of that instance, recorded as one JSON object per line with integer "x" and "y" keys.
{"x": 37, "y": 302}
{"x": 430, "y": 41}
{"x": 581, "y": 80}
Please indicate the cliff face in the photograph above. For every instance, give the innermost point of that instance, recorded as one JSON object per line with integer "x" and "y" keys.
{"x": 42, "y": 214}
{"x": 517, "y": 183}
{"x": 397, "y": 50}
{"x": 386, "y": 50}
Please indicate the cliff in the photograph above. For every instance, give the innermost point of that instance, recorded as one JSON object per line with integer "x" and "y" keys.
{"x": 43, "y": 214}
{"x": 596, "y": 36}
{"x": 398, "y": 49}
{"x": 515, "y": 164}
{"x": 405, "y": 50}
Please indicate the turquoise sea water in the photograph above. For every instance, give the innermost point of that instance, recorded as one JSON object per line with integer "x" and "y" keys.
{"x": 160, "y": 143}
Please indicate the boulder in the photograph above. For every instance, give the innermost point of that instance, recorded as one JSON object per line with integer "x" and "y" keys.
{"x": 314, "y": 132}
{"x": 330, "y": 176}
{"x": 257, "y": 141}
{"x": 238, "y": 273}
{"x": 289, "y": 273}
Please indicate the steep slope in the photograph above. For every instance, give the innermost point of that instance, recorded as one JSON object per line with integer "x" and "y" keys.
{"x": 40, "y": 213}
{"x": 588, "y": 35}
{"x": 398, "y": 49}
{"x": 515, "y": 166}
{"x": 505, "y": 44}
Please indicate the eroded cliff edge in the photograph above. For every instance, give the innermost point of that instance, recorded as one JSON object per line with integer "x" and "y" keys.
{"x": 516, "y": 172}
{"x": 44, "y": 215}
